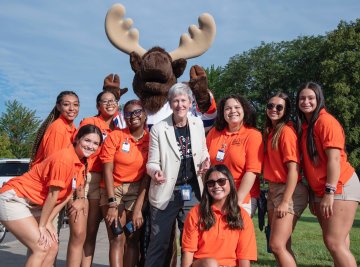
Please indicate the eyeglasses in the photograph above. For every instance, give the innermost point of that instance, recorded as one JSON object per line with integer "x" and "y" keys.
{"x": 136, "y": 113}
{"x": 220, "y": 182}
{"x": 271, "y": 106}
{"x": 108, "y": 102}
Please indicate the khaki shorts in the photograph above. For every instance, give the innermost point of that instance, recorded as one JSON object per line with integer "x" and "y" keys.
{"x": 13, "y": 207}
{"x": 126, "y": 194}
{"x": 298, "y": 202}
{"x": 351, "y": 190}
{"x": 92, "y": 185}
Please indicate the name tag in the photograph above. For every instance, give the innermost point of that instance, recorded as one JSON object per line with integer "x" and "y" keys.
{"x": 220, "y": 155}
{"x": 125, "y": 147}
{"x": 73, "y": 183}
{"x": 186, "y": 192}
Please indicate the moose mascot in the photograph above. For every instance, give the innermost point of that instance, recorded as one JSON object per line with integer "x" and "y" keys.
{"x": 157, "y": 70}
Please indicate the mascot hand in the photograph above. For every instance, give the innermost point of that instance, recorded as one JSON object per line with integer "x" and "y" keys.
{"x": 199, "y": 86}
{"x": 112, "y": 83}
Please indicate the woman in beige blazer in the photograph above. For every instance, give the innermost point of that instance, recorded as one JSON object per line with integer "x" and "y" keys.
{"x": 177, "y": 158}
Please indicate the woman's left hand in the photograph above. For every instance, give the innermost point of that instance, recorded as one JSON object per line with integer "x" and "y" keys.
{"x": 137, "y": 219}
{"x": 282, "y": 209}
{"x": 45, "y": 239}
{"x": 326, "y": 205}
{"x": 52, "y": 232}
{"x": 205, "y": 165}
{"x": 76, "y": 207}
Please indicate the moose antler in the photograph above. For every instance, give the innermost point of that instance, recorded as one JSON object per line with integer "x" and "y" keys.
{"x": 119, "y": 33}
{"x": 199, "y": 41}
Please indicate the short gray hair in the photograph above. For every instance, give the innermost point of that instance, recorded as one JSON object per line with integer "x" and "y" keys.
{"x": 180, "y": 89}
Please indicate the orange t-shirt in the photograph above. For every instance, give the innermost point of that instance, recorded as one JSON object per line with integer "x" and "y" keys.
{"x": 243, "y": 151}
{"x": 219, "y": 242}
{"x": 57, "y": 136}
{"x": 58, "y": 170}
{"x": 129, "y": 156}
{"x": 94, "y": 162}
{"x": 328, "y": 133}
{"x": 275, "y": 169}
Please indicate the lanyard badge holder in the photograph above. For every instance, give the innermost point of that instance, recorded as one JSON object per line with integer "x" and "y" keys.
{"x": 125, "y": 146}
{"x": 186, "y": 192}
{"x": 73, "y": 183}
{"x": 221, "y": 153}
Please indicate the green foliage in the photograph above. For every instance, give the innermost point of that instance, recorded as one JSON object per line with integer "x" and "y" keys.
{"x": 332, "y": 60}
{"x": 5, "y": 151}
{"x": 19, "y": 124}
{"x": 307, "y": 243}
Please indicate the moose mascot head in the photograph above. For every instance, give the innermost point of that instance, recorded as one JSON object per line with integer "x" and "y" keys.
{"x": 157, "y": 70}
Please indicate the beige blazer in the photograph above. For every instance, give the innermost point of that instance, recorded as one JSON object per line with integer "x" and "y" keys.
{"x": 164, "y": 155}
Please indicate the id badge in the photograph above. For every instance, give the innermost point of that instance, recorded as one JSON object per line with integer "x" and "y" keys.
{"x": 186, "y": 192}
{"x": 73, "y": 183}
{"x": 220, "y": 155}
{"x": 125, "y": 147}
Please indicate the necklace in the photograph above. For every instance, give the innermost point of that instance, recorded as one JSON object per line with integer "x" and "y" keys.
{"x": 140, "y": 137}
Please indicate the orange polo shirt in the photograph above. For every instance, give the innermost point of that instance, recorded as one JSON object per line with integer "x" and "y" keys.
{"x": 129, "y": 164}
{"x": 94, "y": 162}
{"x": 219, "y": 242}
{"x": 243, "y": 151}
{"x": 57, "y": 136}
{"x": 275, "y": 169}
{"x": 58, "y": 170}
{"x": 328, "y": 133}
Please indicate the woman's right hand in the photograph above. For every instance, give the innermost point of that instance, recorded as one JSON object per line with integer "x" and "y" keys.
{"x": 45, "y": 239}
{"x": 159, "y": 177}
{"x": 52, "y": 232}
{"x": 111, "y": 215}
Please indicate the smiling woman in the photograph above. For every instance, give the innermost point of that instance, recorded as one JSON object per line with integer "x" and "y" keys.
{"x": 30, "y": 202}
{"x": 235, "y": 142}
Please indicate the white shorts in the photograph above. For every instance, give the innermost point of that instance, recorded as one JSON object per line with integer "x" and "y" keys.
{"x": 13, "y": 207}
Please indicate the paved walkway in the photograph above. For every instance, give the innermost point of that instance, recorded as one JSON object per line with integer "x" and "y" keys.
{"x": 13, "y": 253}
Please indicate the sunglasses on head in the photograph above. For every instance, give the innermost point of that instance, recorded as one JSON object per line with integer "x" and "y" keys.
{"x": 278, "y": 107}
{"x": 136, "y": 113}
{"x": 220, "y": 182}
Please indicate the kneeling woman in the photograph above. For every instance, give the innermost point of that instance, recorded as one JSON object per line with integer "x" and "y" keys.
{"x": 218, "y": 232}
{"x": 29, "y": 203}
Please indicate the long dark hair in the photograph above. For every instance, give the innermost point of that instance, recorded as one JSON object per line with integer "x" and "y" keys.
{"x": 249, "y": 112}
{"x": 280, "y": 125}
{"x": 84, "y": 130}
{"x": 233, "y": 212}
{"x": 300, "y": 118}
{"x": 54, "y": 114}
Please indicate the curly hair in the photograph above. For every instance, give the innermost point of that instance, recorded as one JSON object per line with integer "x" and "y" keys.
{"x": 249, "y": 112}
{"x": 232, "y": 209}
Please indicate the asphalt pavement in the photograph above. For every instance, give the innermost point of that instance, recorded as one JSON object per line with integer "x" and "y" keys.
{"x": 13, "y": 253}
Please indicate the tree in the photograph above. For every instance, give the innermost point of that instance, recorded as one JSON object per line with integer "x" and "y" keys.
{"x": 341, "y": 78}
{"x": 5, "y": 151}
{"x": 19, "y": 124}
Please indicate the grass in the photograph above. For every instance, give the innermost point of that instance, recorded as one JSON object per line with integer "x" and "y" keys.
{"x": 307, "y": 243}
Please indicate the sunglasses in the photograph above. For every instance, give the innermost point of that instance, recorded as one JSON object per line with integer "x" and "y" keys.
{"x": 271, "y": 106}
{"x": 136, "y": 113}
{"x": 220, "y": 182}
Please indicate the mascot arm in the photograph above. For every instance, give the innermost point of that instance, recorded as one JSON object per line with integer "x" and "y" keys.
{"x": 199, "y": 86}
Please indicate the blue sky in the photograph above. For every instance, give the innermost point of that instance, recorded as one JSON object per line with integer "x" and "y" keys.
{"x": 50, "y": 46}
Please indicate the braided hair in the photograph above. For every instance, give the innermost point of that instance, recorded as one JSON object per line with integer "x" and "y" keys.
{"x": 54, "y": 114}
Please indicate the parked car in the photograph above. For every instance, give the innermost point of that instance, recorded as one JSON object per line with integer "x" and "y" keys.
{"x": 10, "y": 168}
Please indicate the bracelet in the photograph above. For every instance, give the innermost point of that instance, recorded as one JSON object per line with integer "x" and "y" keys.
{"x": 330, "y": 190}
{"x": 115, "y": 207}
{"x": 112, "y": 204}
{"x": 111, "y": 199}
{"x": 80, "y": 197}
{"x": 327, "y": 185}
